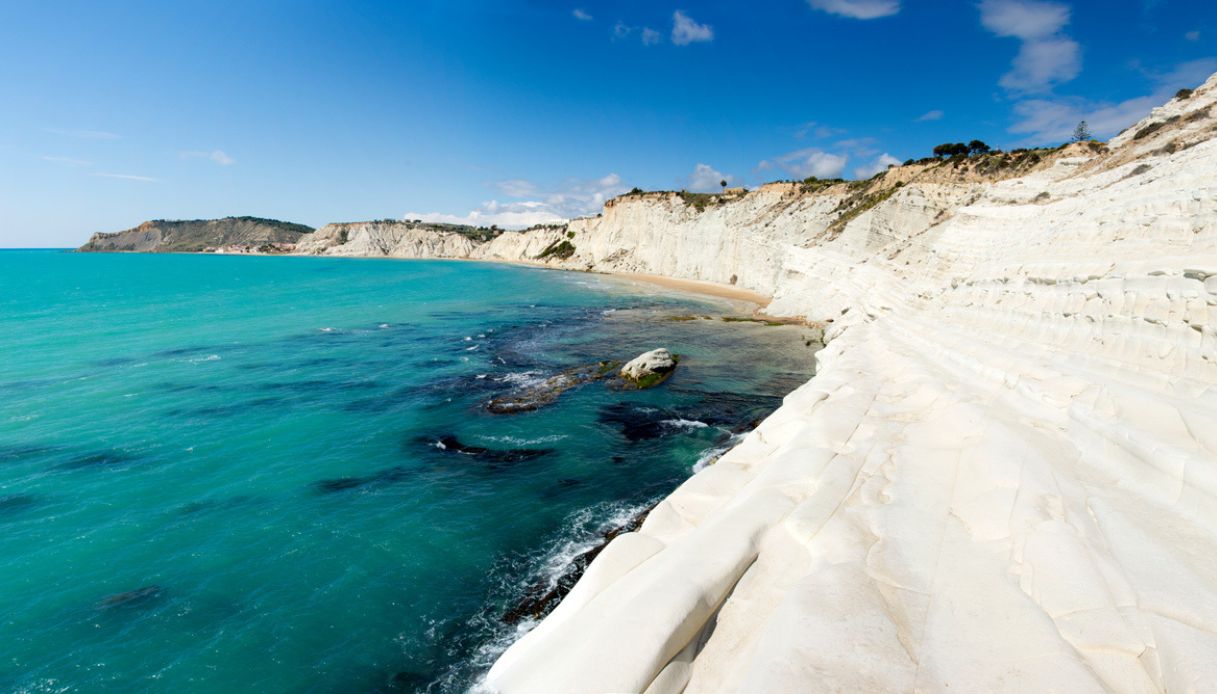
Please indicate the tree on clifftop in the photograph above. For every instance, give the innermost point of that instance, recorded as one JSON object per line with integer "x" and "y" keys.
{"x": 950, "y": 149}
{"x": 977, "y": 147}
{"x": 1082, "y": 132}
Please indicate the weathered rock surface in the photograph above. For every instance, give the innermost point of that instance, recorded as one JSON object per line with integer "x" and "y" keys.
{"x": 649, "y": 369}
{"x": 545, "y": 392}
{"x": 1003, "y": 476}
{"x": 190, "y": 236}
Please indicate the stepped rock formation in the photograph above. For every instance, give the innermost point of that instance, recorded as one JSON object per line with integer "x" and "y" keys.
{"x": 1003, "y": 476}
{"x": 192, "y": 236}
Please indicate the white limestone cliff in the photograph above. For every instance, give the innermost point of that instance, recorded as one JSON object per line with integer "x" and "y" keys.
{"x": 1003, "y": 477}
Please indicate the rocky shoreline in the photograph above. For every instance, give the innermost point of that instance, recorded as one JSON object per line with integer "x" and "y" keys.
{"x": 999, "y": 479}
{"x": 1002, "y": 476}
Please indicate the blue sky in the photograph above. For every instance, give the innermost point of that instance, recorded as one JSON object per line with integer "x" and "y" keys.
{"x": 516, "y": 112}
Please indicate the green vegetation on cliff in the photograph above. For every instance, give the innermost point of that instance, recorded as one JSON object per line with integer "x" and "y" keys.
{"x": 194, "y": 235}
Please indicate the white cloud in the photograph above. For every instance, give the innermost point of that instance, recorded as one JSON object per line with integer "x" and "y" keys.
{"x": 576, "y": 197}
{"x": 127, "y": 177}
{"x": 878, "y": 165}
{"x": 706, "y": 178}
{"x": 930, "y": 115}
{"x": 809, "y": 162}
{"x": 1023, "y": 19}
{"x": 516, "y": 187}
{"x": 858, "y": 9}
{"x": 1043, "y": 63}
{"x": 1189, "y": 74}
{"x": 858, "y": 146}
{"x": 817, "y": 130}
{"x": 647, "y": 35}
{"x": 1046, "y": 57}
{"x": 686, "y": 31}
{"x": 1053, "y": 120}
{"x": 1192, "y": 36}
{"x": 216, "y": 155}
{"x": 67, "y": 161}
{"x": 573, "y": 198}
{"x": 517, "y": 215}
{"x": 582, "y": 15}
{"x": 84, "y": 134}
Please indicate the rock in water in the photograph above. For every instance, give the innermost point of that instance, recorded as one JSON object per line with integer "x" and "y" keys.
{"x": 538, "y": 395}
{"x": 451, "y": 444}
{"x": 129, "y": 598}
{"x": 650, "y": 369}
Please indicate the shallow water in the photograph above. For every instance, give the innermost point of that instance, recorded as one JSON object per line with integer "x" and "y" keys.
{"x": 220, "y": 473}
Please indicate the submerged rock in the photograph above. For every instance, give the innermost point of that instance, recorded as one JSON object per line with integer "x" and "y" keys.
{"x": 16, "y": 502}
{"x": 541, "y": 598}
{"x": 451, "y": 444}
{"x": 534, "y": 396}
{"x": 342, "y": 484}
{"x": 98, "y": 459}
{"x": 130, "y": 598}
{"x": 649, "y": 369}
{"x": 635, "y": 422}
{"x": 409, "y": 681}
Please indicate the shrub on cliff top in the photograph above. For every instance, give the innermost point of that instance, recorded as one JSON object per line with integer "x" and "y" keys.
{"x": 951, "y": 149}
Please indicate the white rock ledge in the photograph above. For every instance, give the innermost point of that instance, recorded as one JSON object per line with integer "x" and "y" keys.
{"x": 1003, "y": 477}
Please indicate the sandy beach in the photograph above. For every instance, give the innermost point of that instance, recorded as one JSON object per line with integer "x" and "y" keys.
{"x": 721, "y": 291}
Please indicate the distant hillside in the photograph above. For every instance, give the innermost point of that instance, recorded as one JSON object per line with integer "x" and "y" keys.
{"x": 185, "y": 236}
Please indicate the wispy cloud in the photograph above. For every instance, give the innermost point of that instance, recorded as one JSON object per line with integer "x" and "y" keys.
{"x": 516, "y": 187}
{"x": 83, "y": 134}
{"x": 858, "y": 9}
{"x": 126, "y": 177}
{"x": 706, "y": 178}
{"x": 686, "y": 31}
{"x": 511, "y": 215}
{"x": 879, "y": 165}
{"x": 647, "y": 35}
{"x": 1053, "y": 119}
{"x": 810, "y": 161}
{"x": 1046, "y": 56}
{"x": 67, "y": 161}
{"x": 858, "y": 146}
{"x": 582, "y": 15}
{"x": 572, "y": 198}
{"x": 930, "y": 116}
{"x": 817, "y": 130}
{"x": 1192, "y": 36}
{"x": 216, "y": 155}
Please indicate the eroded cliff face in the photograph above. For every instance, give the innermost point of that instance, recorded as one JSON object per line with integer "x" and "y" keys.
{"x": 753, "y": 240}
{"x": 1003, "y": 476}
{"x": 192, "y": 236}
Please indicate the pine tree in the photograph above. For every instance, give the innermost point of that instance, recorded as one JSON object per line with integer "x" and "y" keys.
{"x": 1082, "y": 132}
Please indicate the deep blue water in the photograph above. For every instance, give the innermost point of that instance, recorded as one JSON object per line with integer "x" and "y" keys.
{"x": 220, "y": 473}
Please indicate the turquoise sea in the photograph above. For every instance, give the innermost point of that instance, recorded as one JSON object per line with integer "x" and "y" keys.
{"x": 220, "y": 474}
